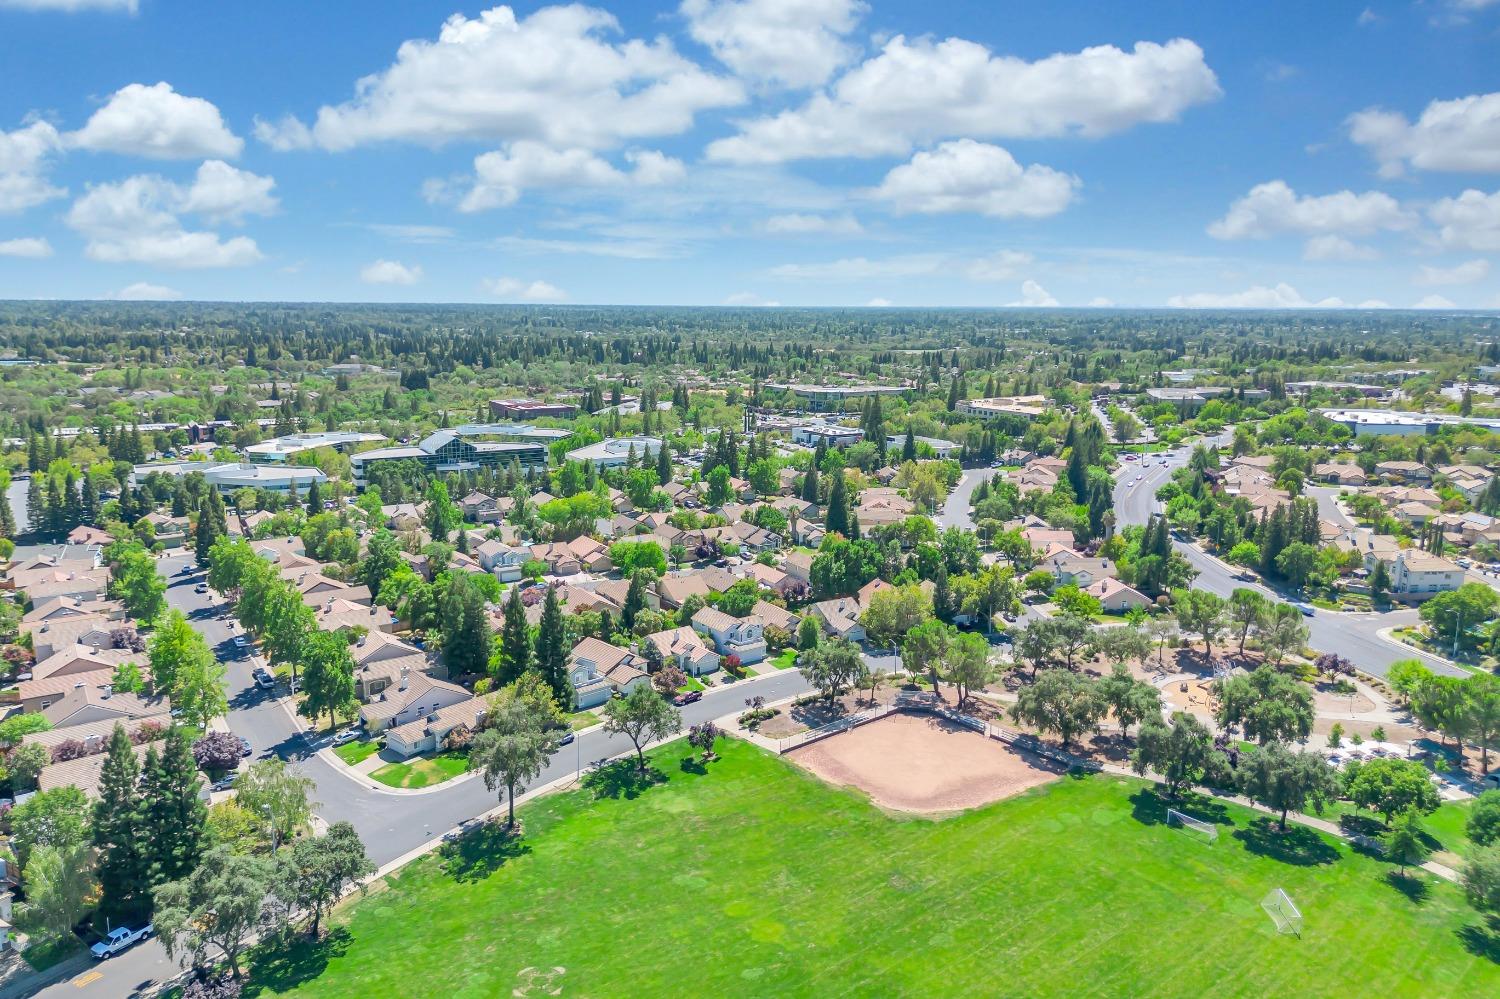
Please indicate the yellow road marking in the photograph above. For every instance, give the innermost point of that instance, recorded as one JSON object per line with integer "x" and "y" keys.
{"x": 88, "y": 979}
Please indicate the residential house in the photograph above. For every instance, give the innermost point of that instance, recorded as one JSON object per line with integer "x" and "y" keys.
{"x": 1079, "y": 570}
{"x": 840, "y": 617}
{"x": 62, "y": 608}
{"x": 1340, "y": 474}
{"x": 84, "y": 772}
{"x": 737, "y": 636}
{"x": 1403, "y": 471}
{"x": 684, "y": 648}
{"x": 1470, "y": 480}
{"x": 1417, "y": 575}
{"x": 599, "y": 670}
{"x": 86, "y": 702}
{"x": 380, "y": 659}
{"x": 429, "y": 734}
{"x": 481, "y": 508}
{"x": 414, "y": 696}
{"x": 504, "y": 561}
{"x": 798, "y": 565}
{"x": 170, "y": 531}
{"x": 1414, "y": 514}
{"x": 49, "y": 637}
{"x": 1115, "y": 597}
{"x": 335, "y": 613}
{"x": 773, "y": 616}
{"x": 83, "y": 534}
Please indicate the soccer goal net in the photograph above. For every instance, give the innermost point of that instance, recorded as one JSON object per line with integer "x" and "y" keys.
{"x": 1207, "y": 830}
{"x": 1286, "y": 915}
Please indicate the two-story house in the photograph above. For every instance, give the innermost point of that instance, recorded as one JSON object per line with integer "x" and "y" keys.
{"x": 732, "y": 636}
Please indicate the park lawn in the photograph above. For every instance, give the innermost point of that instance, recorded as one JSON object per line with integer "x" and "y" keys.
{"x": 580, "y": 720}
{"x": 753, "y": 878}
{"x": 1445, "y": 833}
{"x": 354, "y": 753}
{"x": 424, "y": 771}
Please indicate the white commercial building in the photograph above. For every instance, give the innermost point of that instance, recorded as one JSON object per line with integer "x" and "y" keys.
{"x": 281, "y": 449}
{"x": 1365, "y": 422}
{"x": 616, "y": 451}
{"x": 227, "y": 477}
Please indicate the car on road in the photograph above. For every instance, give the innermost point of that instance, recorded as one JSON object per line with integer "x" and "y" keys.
{"x": 223, "y": 783}
{"x": 1305, "y": 608}
{"x": 567, "y": 739}
{"x": 1245, "y": 575}
{"x": 240, "y": 641}
{"x": 263, "y": 680}
{"x": 996, "y": 464}
{"x": 245, "y": 748}
{"x": 201, "y": 588}
{"x": 687, "y": 697}
{"x": 119, "y": 940}
{"x": 346, "y": 736}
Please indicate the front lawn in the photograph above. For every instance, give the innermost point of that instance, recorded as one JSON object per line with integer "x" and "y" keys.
{"x": 354, "y": 753}
{"x": 424, "y": 771}
{"x": 45, "y": 953}
{"x": 785, "y": 659}
{"x": 693, "y": 683}
{"x": 750, "y": 877}
{"x": 580, "y": 720}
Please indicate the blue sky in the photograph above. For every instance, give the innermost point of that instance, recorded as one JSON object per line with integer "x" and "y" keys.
{"x": 708, "y": 152}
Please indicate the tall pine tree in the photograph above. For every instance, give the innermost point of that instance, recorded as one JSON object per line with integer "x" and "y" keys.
{"x": 118, "y": 833}
{"x": 552, "y": 648}
{"x": 174, "y": 819}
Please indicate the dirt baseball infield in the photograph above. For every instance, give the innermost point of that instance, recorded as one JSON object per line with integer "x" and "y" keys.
{"x": 923, "y": 763}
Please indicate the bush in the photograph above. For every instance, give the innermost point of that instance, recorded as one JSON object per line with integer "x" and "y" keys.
{"x": 217, "y": 751}
{"x": 68, "y": 749}
{"x": 221, "y": 987}
{"x": 149, "y": 731}
{"x": 751, "y": 719}
{"x": 1336, "y": 736}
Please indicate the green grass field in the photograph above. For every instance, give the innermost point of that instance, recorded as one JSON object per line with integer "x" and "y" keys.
{"x": 753, "y": 878}
{"x": 424, "y": 771}
{"x": 353, "y": 753}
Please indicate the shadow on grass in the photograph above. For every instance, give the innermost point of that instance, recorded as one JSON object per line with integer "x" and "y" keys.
{"x": 692, "y": 765}
{"x": 1298, "y": 845}
{"x": 1149, "y": 807}
{"x": 1361, "y": 825}
{"x": 1414, "y": 888}
{"x": 622, "y": 779}
{"x": 1482, "y": 940}
{"x": 278, "y": 968}
{"x": 482, "y": 851}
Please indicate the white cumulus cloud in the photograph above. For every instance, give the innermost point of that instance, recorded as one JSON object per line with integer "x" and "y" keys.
{"x": 390, "y": 272}
{"x": 157, "y": 122}
{"x": 24, "y": 157}
{"x": 1337, "y": 248}
{"x": 802, "y": 224}
{"x": 1273, "y": 207}
{"x": 500, "y": 177}
{"x": 796, "y": 43}
{"x": 517, "y": 290}
{"x": 999, "y": 266}
{"x": 554, "y": 77}
{"x": 1282, "y": 296}
{"x": 30, "y": 247}
{"x": 142, "y": 291}
{"x": 1470, "y": 221}
{"x": 1465, "y": 273}
{"x": 137, "y": 220}
{"x": 1433, "y": 302}
{"x": 978, "y": 178}
{"x": 1034, "y": 296}
{"x": 921, "y": 90}
{"x": 1461, "y": 135}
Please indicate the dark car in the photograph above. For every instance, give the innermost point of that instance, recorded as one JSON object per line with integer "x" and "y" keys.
{"x": 567, "y": 739}
{"x": 687, "y": 697}
{"x": 223, "y": 783}
{"x": 245, "y": 749}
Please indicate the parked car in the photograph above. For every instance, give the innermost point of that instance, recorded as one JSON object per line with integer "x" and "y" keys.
{"x": 567, "y": 739}
{"x": 120, "y": 939}
{"x": 687, "y": 697}
{"x": 1246, "y": 576}
{"x": 1306, "y": 609}
{"x": 346, "y": 736}
{"x": 240, "y": 641}
{"x": 201, "y": 588}
{"x": 264, "y": 680}
{"x": 245, "y": 749}
{"x": 223, "y": 783}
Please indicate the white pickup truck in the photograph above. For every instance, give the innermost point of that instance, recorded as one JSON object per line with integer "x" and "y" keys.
{"x": 120, "y": 940}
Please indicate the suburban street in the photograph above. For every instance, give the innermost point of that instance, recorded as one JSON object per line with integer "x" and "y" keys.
{"x": 1354, "y": 636}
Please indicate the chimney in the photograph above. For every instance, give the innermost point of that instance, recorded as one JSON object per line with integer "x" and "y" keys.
{"x": 405, "y": 673}
{"x": 107, "y": 691}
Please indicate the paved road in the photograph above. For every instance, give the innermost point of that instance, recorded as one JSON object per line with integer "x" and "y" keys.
{"x": 1328, "y": 508}
{"x": 1354, "y": 636}
{"x": 955, "y": 512}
